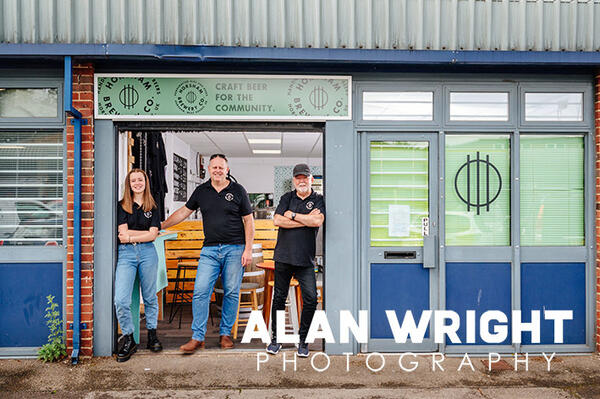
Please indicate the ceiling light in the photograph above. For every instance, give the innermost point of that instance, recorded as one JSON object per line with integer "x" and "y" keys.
{"x": 266, "y": 151}
{"x": 264, "y": 141}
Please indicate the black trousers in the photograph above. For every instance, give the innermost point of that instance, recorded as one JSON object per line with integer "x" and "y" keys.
{"x": 308, "y": 285}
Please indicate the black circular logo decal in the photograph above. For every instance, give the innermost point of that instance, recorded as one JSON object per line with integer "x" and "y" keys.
{"x": 484, "y": 176}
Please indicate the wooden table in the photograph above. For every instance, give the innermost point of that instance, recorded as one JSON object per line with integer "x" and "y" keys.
{"x": 269, "y": 267}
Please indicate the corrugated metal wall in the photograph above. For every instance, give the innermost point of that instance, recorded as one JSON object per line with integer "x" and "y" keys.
{"x": 540, "y": 25}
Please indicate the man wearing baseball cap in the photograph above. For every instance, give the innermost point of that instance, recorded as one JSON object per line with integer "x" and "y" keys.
{"x": 299, "y": 215}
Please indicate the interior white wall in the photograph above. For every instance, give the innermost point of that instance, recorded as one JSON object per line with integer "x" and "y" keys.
{"x": 175, "y": 145}
{"x": 257, "y": 174}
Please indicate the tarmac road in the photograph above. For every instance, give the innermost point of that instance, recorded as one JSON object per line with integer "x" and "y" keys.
{"x": 219, "y": 374}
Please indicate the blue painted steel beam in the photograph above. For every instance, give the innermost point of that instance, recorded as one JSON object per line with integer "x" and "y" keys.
{"x": 254, "y": 54}
{"x": 77, "y": 122}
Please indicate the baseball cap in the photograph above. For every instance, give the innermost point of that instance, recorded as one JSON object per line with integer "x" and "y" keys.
{"x": 301, "y": 169}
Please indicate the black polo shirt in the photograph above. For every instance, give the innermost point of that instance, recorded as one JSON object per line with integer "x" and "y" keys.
{"x": 138, "y": 220}
{"x": 221, "y": 212}
{"x": 297, "y": 246}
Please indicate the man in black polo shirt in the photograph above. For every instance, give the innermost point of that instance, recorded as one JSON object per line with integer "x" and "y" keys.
{"x": 228, "y": 235}
{"x": 299, "y": 215}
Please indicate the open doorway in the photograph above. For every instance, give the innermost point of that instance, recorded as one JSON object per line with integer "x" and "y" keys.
{"x": 261, "y": 160}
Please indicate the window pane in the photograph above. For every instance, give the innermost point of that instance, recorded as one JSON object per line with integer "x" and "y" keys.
{"x": 399, "y": 192}
{"x": 398, "y": 106}
{"x": 554, "y": 107}
{"x": 477, "y": 190}
{"x": 31, "y": 188}
{"x": 478, "y": 106}
{"x": 28, "y": 103}
{"x": 552, "y": 205}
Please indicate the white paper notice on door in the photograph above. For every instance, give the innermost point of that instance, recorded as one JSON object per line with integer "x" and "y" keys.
{"x": 399, "y": 220}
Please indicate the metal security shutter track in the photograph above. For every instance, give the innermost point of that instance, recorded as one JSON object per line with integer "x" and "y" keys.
{"x": 510, "y": 25}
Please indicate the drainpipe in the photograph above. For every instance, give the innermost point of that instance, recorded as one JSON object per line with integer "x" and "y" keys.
{"x": 77, "y": 122}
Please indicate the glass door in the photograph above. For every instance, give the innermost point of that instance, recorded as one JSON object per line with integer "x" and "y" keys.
{"x": 400, "y": 174}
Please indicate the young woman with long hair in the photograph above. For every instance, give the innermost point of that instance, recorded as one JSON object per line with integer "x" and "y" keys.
{"x": 138, "y": 224}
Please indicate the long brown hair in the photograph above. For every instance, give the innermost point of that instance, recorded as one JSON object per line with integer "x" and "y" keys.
{"x": 147, "y": 201}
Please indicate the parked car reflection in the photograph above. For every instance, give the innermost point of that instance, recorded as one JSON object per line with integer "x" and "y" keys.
{"x": 31, "y": 222}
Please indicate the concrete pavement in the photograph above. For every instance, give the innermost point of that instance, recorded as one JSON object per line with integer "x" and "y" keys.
{"x": 231, "y": 374}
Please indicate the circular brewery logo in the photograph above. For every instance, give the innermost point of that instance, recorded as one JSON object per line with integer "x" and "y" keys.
{"x": 191, "y": 97}
{"x": 128, "y": 96}
{"x": 229, "y": 197}
{"x": 309, "y": 205}
{"x": 148, "y": 214}
{"x": 318, "y": 97}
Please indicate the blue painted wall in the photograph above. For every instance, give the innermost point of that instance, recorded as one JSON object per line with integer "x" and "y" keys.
{"x": 480, "y": 287}
{"x": 398, "y": 287}
{"x": 554, "y": 286}
{"x": 23, "y": 291}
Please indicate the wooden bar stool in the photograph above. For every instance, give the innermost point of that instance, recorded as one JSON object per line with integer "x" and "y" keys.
{"x": 181, "y": 295}
{"x": 293, "y": 305}
{"x": 246, "y": 289}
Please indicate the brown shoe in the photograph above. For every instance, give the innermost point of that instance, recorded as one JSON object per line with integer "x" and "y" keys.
{"x": 191, "y": 346}
{"x": 226, "y": 342}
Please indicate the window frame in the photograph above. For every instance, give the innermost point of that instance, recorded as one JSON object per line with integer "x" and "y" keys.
{"x": 393, "y": 88}
{"x": 510, "y": 89}
{"x": 40, "y": 83}
{"x": 587, "y": 98}
{"x": 20, "y": 79}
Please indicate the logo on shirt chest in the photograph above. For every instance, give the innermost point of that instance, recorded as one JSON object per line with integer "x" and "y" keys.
{"x": 310, "y": 205}
{"x": 148, "y": 214}
{"x": 229, "y": 197}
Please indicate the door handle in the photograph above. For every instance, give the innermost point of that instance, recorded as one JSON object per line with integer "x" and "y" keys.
{"x": 429, "y": 248}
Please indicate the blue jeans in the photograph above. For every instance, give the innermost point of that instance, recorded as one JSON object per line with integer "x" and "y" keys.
{"x": 138, "y": 259}
{"x": 225, "y": 260}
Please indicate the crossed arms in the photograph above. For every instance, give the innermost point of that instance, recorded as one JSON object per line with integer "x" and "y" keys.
{"x": 313, "y": 219}
{"x": 126, "y": 235}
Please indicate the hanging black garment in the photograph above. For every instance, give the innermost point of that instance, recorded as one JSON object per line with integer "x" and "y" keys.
{"x": 155, "y": 168}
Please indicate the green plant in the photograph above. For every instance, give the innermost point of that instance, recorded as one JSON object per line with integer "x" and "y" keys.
{"x": 55, "y": 349}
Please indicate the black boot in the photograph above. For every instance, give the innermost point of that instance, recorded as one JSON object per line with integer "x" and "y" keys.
{"x": 153, "y": 343}
{"x": 129, "y": 347}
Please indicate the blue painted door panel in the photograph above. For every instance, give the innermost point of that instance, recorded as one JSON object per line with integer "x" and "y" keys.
{"x": 23, "y": 291}
{"x": 479, "y": 287}
{"x": 398, "y": 287}
{"x": 554, "y": 286}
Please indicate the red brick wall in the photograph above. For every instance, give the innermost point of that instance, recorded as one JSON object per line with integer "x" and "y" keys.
{"x": 597, "y": 118}
{"x": 83, "y": 100}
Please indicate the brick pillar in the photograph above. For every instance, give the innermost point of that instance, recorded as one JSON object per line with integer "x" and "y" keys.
{"x": 597, "y": 120}
{"x": 83, "y": 101}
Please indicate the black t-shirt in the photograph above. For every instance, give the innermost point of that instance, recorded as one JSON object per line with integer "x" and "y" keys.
{"x": 221, "y": 212}
{"x": 138, "y": 220}
{"x": 297, "y": 246}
